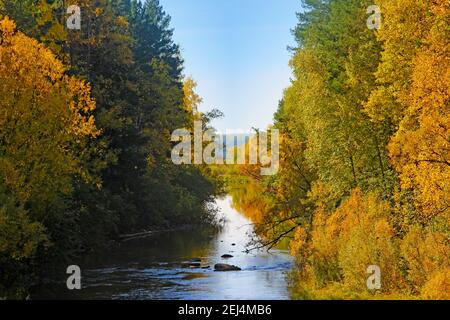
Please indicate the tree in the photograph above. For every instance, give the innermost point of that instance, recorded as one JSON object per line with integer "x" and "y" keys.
{"x": 46, "y": 124}
{"x": 364, "y": 169}
{"x": 420, "y": 150}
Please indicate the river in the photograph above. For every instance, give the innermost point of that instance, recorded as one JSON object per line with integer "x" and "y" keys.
{"x": 153, "y": 268}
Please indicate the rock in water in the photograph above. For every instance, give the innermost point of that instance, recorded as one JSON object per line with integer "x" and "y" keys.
{"x": 227, "y": 256}
{"x": 191, "y": 264}
{"x": 226, "y": 267}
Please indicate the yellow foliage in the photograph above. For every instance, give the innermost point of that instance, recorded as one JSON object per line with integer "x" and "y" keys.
{"x": 346, "y": 242}
{"x": 191, "y": 100}
{"x": 33, "y": 66}
{"x": 301, "y": 250}
{"x": 367, "y": 238}
{"x": 19, "y": 236}
{"x": 426, "y": 254}
{"x": 332, "y": 259}
{"x": 438, "y": 287}
{"x": 415, "y": 73}
{"x": 415, "y": 78}
{"x": 408, "y": 103}
{"x": 45, "y": 119}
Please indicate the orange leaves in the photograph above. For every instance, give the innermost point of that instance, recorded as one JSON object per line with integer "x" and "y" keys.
{"x": 300, "y": 242}
{"x": 98, "y": 12}
{"x": 82, "y": 105}
{"x": 420, "y": 151}
{"x": 31, "y": 64}
{"x": 335, "y": 254}
{"x": 407, "y": 100}
{"x": 7, "y": 27}
{"x": 438, "y": 287}
{"x": 404, "y": 22}
{"x": 45, "y": 120}
{"x": 27, "y": 61}
{"x": 344, "y": 243}
{"x": 426, "y": 253}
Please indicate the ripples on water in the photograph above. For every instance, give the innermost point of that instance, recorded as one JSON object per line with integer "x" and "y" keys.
{"x": 153, "y": 268}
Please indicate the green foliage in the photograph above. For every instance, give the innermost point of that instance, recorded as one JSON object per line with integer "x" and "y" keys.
{"x": 364, "y": 171}
{"x": 73, "y": 183}
{"x": 20, "y": 240}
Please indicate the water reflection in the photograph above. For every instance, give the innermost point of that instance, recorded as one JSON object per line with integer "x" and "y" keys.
{"x": 153, "y": 268}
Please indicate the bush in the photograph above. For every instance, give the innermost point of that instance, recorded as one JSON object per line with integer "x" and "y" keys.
{"x": 426, "y": 253}
{"x": 344, "y": 243}
{"x": 20, "y": 239}
{"x": 438, "y": 287}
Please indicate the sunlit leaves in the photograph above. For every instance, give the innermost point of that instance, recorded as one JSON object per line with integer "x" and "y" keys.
{"x": 367, "y": 109}
{"x": 45, "y": 118}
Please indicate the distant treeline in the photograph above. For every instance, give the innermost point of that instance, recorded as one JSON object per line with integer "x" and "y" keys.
{"x": 86, "y": 118}
{"x": 364, "y": 175}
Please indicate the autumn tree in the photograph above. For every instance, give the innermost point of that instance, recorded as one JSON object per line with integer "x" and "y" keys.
{"x": 46, "y": 123}
{"x": 364, "y": 170}
{"x": 420, "y": 149}
{"x": 70, "y": 190}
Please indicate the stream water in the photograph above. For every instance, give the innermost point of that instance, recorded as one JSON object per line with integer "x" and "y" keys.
{"x": 153, "y": 268}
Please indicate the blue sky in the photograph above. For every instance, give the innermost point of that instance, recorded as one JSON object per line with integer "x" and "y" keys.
{"x": 237, "y": 52}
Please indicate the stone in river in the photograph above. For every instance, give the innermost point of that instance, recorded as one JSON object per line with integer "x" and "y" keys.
{"x": 227, "y": 256}
{"x": 191, "y": 264}
{"x": 226, "y": 267}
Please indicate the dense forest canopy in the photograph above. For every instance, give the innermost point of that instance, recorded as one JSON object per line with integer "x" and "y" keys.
{"x": 365, "y": 162}
{"x": 86, "y": 117}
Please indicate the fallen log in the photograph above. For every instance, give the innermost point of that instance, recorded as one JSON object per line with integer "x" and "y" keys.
{"x": 127, "y": 237}
{"x": 145, "y": 234}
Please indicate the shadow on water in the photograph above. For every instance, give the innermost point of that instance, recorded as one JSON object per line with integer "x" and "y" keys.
{"x": 159, "y": 268}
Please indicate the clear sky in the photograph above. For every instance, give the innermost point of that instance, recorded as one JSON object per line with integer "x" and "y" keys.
{"x": 237, "y": 52}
